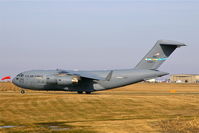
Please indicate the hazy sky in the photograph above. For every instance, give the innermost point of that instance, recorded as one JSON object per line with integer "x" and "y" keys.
{"x": 95, "y": 34}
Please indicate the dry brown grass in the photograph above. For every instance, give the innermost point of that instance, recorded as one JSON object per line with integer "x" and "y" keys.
{"x": 137, "y": 108}
{"x": 7, "y": 86}
{"x": 180, "y": 125}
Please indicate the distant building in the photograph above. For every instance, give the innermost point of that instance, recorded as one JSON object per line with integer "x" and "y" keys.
{"x": 184, "y": 78}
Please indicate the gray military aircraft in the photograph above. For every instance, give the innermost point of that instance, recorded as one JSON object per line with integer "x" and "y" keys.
{"x": 90, "y": 81}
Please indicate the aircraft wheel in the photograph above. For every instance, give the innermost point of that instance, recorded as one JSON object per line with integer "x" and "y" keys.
{"x": 80, "y": 92}
{"x": 88, "y": 92}
{"x": 22, "y": 91}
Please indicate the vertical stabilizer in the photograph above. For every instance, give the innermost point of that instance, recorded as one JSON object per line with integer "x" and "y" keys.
{"x": 158, "y": 54}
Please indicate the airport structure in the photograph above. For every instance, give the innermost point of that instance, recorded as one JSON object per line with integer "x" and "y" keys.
{"x": 184, "y": 78}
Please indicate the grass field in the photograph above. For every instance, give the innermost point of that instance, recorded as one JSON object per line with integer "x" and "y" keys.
{"x": 139, "y": 108}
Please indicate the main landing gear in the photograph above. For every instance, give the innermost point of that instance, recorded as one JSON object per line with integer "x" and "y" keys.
{"x": 81, "y": 92}
{"x": 88, "y": 92}
{"x": 22, "y": 91}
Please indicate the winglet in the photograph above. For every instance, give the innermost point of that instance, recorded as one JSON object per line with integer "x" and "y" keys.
{"x": 108, "y": 78}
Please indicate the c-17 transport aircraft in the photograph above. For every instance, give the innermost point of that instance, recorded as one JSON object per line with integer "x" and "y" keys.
{"x": 90, "y": 81}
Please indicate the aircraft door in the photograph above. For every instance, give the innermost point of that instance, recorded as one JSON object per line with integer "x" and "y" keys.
{"x": 21, "y": 80}
{"x": 40, "y": 79}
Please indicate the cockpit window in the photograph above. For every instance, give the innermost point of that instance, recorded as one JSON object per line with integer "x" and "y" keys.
{"x": 20, "y": 75}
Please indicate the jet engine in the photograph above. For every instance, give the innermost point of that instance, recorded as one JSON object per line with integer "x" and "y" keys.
{"x": 62, "y": 80}
{"x": 67, "y": 80}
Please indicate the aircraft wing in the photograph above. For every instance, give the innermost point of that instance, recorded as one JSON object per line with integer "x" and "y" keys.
{"x": 88, "y": 75}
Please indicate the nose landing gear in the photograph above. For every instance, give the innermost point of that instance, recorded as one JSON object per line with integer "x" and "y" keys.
{"x": 22, "y": 91}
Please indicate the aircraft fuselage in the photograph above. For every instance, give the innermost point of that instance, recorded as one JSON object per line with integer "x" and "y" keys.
{"x": 39, "y": 80}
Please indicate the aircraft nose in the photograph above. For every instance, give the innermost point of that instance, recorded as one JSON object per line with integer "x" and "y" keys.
{"x": 14, "y": 81}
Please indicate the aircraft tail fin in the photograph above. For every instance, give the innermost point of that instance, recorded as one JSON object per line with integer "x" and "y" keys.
{"x": 158, "y": 54}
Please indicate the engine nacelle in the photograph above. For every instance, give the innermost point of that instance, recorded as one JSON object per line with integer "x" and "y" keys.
{"x": 62, "y": 80}
{"x": 67, "y": 80}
